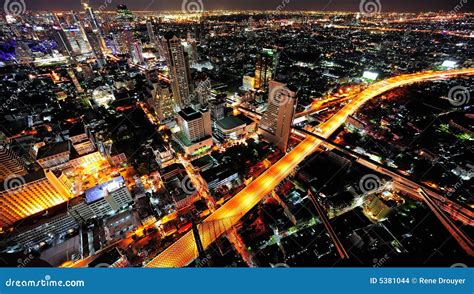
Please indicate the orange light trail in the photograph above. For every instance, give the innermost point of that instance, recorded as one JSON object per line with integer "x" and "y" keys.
{"x": 184, "y": 251}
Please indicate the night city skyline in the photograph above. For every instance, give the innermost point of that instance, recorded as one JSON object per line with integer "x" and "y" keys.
{"x": 291, "y": 5}
{"x": 219, "y": 134}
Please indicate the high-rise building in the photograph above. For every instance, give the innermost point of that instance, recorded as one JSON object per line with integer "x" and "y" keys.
{"x": 91, "y": 17}
{"x": 30, "y": 194}
{"x": 265, "y": 69}
{"x": 137, "y": 53}
{"x": 275, "y": 125}
{"x": 10, "y": 163}
{"x": 195, "y": 125}
{"x": 123, "y": 41}
{"x": 162, "y": 101}
{"x": 196, "y": 130}
{"x": 62, "y": 40}
{"x": 179, "y": 69}
{"x": 217, "y": 107}
{"x": 151, "y": 33}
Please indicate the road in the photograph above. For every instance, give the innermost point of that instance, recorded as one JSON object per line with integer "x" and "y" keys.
{"x": 332, "y": 234}
{"x": 184, "y": 251}
{"x": 439, "y": 204}
{"x": 401, "y": 182}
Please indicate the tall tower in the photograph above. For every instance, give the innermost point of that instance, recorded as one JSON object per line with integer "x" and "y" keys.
{"x": 151, "y": 32}
{"x": 265, "y": 69}
{"x": 162, "y": 101}
{"x": 95, "y": 37}
{"x": 275, "y": 125}
{"x": 61, "y": 39}
{"x": 179, "y": 69}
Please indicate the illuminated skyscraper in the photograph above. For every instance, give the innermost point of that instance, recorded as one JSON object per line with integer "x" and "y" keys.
{"x": 265, "y": 69}
{"x": 196, "y": 130}
{"x": 91, "y": 16}
{"x": 61, "y": 39}
{"x": 162, "y": 101}
{"x": 24, "y": 196}
{"x": 137, "y": 52}
{"x": 275, "y": 125}
{"x": 151, "y": 32}
{"x": 94, "y": 36}
{"x": 179, "y": 69}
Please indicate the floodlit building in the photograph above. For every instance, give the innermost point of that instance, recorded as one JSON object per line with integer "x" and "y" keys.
{"x": 179, "y": 69}
{"x": 275, "y": 125}
{"x": 195, "y": 135}
{"x": 234, "y": 127}
{"x": 265, "y": 69}
{"x": 100, "y": 201}
{"x": 30, "y": 194}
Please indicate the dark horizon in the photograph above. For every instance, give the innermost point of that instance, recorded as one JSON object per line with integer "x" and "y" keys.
{"x": 249, "y": 5}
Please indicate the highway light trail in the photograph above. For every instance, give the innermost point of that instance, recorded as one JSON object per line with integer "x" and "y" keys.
{"x": 184, "y": 251}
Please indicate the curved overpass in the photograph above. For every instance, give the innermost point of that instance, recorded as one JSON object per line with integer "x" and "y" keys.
{"x": 184, "y": 251}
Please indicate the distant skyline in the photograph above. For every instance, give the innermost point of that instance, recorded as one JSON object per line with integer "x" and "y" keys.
{"x": 328, "y": 5}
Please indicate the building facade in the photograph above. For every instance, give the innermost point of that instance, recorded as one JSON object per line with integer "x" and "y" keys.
{"x": 275, "y": 125}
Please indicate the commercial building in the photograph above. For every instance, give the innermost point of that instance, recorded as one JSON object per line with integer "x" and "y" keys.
{"x": 195, "y": 134}
{"x": 30, "y": 194}
{"x": 100, "y": 201}
{"x": 162, "y": 101}
{"x": 80, "y": 139}
{"x": 265, "y": 69}
{"x": 275, "y": 125}
{"x": 178, "y": 67}
{"x": 234, "y": 127}
{"x": 217, "y": 107}
{"x": 43, "y": 228}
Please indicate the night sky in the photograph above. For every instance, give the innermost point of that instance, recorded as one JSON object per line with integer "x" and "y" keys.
{"x": 346, "y": 5}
